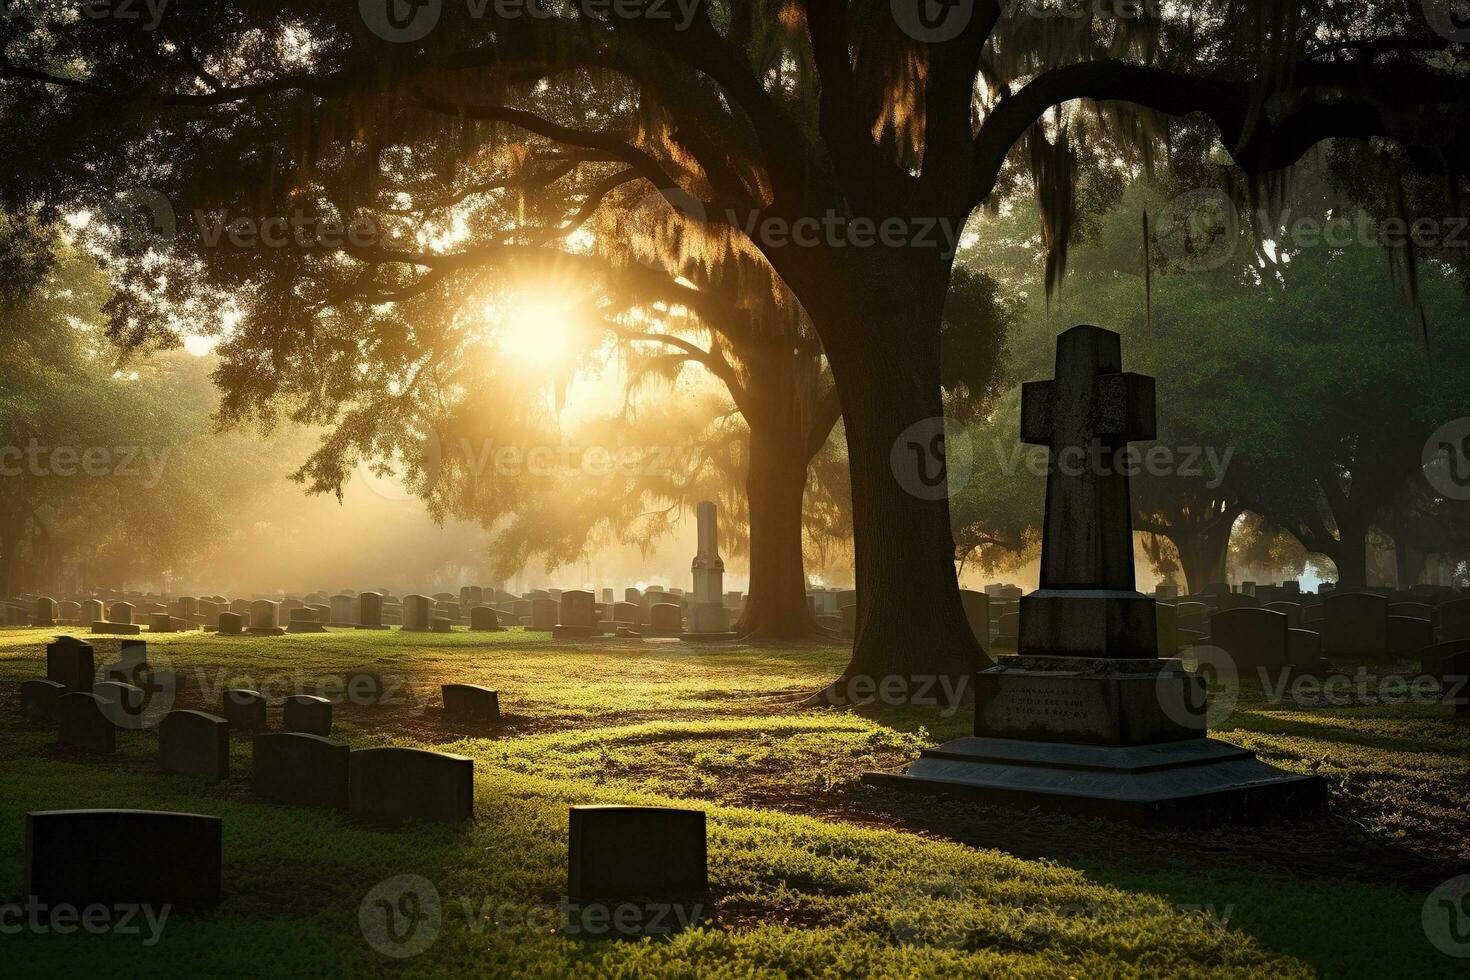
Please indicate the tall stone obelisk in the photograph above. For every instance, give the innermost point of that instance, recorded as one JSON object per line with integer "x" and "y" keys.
{"x": 708, "y": 612}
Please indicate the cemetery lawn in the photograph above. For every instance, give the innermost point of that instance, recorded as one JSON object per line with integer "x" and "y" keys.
{"x": 812, "y": 871}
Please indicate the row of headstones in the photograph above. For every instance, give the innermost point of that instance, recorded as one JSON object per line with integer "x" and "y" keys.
{"x": 304, "y": 766}
{"x": 614, "y": 853}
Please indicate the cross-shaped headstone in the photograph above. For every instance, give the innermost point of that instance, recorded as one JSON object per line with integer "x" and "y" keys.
{"x": 1084, "y": 415}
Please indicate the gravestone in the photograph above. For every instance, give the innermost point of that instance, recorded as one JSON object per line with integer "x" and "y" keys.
{"x": 447, "y": 610}
{"x": 307, "y": 714}
{"x": 708, "y": 616}
{"x": 119, "y": 621}
{"x": 608, "y": 598}
{"x": 343, "y": 610}
{"x": 484, "y": 620}
{"x": 160, "y": 623}
{"x": 665, "y": 619}
{"x": 209, "y": 612}
{"x": 370, "y": 611}
{"x": 470, "y": 703}
{"x": 1454, "y": 619}
{"x": 440, "y": 624}
{"x": 68, "y": 612}
{"x": 622, "y": 852}
{"x": 305, "y": 620}
{"x": 1416, "y": 610}
{"x": 301, "y": 769}
{"x": 70, "y": 663}
{"x": 1291, "y": 610}
{"x": 121, "y": 612}
{"x": 977, "y": 614}
{"x": 41, "y": 700}
{"x": 93, "y": 611}
{"x": 416, "y": 613}
{"x": 1304, "y": 650}
{"x": 471, "y": 596}
{"x": 395, "y": 785}
{"x": 1192, "y": 616}
{"x": 1407, "y": 635}
{"x": 627, "y": 613}
{"x": 45, "y": 612}
{"x": 1254, "y": 638}
{"x": 231, "y": 624}
{"x": 544, "y": 613}
{"x": 632, "y": 595}
{"x": 194, "y": 743}
{"x": 1356, "y": 625}
{"x": 84, "y": 725}
{"x": 120, "y": 858}
{"x": 245, "y": 710}
{"x": 848, "y": 615}
{"x": 578, "y": 618}
{"x": 1087, "y": 716}
{"x": 264, "y": 619}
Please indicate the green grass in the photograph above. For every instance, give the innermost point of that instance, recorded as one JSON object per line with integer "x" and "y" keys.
{"x": 797, "y": 890}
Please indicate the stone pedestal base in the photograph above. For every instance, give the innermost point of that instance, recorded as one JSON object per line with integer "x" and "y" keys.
{"x": 709, "y": 618}
{"x": 1202, "y": 779}
{"x": 1089, "y": 701}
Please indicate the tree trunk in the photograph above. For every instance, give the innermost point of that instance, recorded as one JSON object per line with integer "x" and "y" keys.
{"x": 1351, "y": 556}
{"x": 912, "y": 635}
{"x": 1204, "y": 550}
{"x": 775, "y": 481}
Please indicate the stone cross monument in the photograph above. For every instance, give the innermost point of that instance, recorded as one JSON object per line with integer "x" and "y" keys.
{"x": 707, "y": 615}
{"x": 1087, "y": 715}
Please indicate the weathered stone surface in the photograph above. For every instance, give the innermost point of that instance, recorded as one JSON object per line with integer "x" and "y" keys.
{"x": 194, "y": 743}
{"x": 1253, "y": 638}
{"x": 396, "y": 785}
{"x": 664, "y": 619}
{"x": 231, "y": 624}
{"x": 70, "y": 663}
{"x": 245, "y": 710}
{"x": 470, "y": 703}
{"x": 301, "y": 769}
{"x": 1095, "y": 702}
{"x": 1407, "y": 635}
{"x": 308, "y": 714}
{"x": 41, "y": 700}
{"x": 1356, "y": 626}
{"x": 416, "y": 612}
{"x": 84, "y": 726}
{"x": 544, "y": 614}
{"x": 370, "y": 611}
{"x": 622, "y": 852}
{"x": 122, "y": 857}
{"x": 483, "y": 619}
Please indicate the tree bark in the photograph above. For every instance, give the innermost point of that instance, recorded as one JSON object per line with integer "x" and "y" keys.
{"x": 776, "y": 607}
{"x": 1204, "y": 550}
{"x": 911, "y": 631}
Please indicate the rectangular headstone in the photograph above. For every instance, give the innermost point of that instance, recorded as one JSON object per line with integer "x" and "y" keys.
{"x": 470, "y": 702}
{"x": 308, "y": 714}
{"x": 619, "y": 852}
{"x": 395, "y": 785}
{"x": 305, "y": 770}
{"x": 244, "y": 709}
{"x": 70, "y": 663}
{"x": 117, "y": 857}
{"x": 194, "y": 743}
{"x": 84, "y": 725}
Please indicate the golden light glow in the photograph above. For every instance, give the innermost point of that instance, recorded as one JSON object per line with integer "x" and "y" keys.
{"x": 536, "y": 329}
